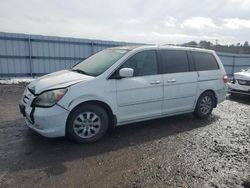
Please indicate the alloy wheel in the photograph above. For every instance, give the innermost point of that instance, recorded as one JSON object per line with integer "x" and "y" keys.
{"x": 87, "y": 124}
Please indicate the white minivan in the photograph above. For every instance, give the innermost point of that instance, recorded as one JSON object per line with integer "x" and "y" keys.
{"x": 123, "y": 85}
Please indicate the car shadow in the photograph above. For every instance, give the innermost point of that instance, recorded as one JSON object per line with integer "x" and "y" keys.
{"x": 243, "y": 99}
{"x": 35, "y": 151}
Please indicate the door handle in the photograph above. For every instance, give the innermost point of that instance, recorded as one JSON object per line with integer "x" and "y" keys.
{"x": 171, "y": 80}
{"x": 155, "y": 82}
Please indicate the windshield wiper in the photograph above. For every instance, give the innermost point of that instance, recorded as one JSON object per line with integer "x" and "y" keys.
{"x": 80, "y": 71}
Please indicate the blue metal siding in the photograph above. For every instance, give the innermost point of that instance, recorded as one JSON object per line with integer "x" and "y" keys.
{"x": 234, "y": 62}
{"x": 31, "y": 55}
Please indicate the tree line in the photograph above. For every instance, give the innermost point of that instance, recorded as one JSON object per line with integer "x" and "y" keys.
{"x": 243, "y": 48}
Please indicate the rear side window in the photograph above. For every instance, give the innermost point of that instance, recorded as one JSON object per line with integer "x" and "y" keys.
{"x": 204, "y": 61}
{"x": 174, "y": 61}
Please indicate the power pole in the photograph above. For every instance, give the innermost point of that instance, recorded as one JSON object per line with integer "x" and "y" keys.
{"x": 216, "y": 42}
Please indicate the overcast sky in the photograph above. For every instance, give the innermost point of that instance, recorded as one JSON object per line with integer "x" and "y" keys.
{"x": 148, "y": 21}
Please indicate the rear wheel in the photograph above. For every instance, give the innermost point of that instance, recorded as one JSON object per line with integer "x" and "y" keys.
{"x": 87, "y": 123}
{"x": 205, "y": 105}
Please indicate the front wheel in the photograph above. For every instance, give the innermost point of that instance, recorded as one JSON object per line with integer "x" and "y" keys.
{"x": 205, "y": 105}
{"x": 87, "y": 123}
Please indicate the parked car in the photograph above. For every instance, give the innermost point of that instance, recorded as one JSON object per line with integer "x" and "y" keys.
{"x": 124, "y": 85}
{"x": 240, "y": 83}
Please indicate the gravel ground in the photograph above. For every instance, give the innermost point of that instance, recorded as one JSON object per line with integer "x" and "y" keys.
{"x": 179, "y": 151}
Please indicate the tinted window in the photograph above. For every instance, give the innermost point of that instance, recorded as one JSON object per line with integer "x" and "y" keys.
{"x": 204, "y": 61}
{"x": 143, "y": 63}
{"x": 174, "y": 61}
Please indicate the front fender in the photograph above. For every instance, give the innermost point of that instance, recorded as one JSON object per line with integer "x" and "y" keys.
{"x": 86, "y": 98}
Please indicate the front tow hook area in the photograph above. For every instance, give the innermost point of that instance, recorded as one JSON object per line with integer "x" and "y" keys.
{"x": 22, "y": 109}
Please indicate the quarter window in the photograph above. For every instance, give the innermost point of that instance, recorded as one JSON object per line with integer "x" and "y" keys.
{"x": 174, "y": 61}
{"x": 204, "y": 61}
{"x": 143, "y": 63}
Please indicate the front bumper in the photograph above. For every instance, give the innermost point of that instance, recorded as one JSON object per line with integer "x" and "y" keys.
{"x": 49, "y": 122}
{"x": 238, "y": 89}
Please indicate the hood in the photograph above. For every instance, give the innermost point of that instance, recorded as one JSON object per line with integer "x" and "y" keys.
{"x": 56, "y": 80}
{"x": 242, "y": 76}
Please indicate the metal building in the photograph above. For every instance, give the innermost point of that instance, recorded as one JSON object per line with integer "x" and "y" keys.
{"x": 35, "y": 55}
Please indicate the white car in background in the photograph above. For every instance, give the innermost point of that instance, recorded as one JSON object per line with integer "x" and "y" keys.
{"x": 240, "y": 84}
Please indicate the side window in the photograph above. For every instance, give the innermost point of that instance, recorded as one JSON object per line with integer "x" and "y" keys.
{"x": 143, "y": 63}
{"x": 204, "y": 61}
{"x": 174, "y": 61}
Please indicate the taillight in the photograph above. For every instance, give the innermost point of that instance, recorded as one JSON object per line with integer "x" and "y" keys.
{"x": 225, "y": 79}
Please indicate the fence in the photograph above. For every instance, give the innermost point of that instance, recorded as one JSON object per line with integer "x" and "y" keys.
{"x": 234, "y": 62}
{"x": 34, "y": 55}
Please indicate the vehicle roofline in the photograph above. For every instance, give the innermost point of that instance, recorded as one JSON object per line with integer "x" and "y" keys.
{"x": 169, "y": 47}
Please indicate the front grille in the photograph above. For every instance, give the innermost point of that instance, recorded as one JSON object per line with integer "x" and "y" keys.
{"x": 27, "y": 96}
{"x": 239, "y": 91}
{"x": 25, "y": 99}
{"x": 243, "y": 82}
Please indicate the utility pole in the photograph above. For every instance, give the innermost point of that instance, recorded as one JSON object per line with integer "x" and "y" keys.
{"x": 216, "y": 42}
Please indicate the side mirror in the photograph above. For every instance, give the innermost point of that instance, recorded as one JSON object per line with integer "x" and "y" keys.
{"x": 126, "y": 72}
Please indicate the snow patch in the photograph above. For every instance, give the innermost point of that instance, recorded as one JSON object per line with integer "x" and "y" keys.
{"x": 15, "y": 80}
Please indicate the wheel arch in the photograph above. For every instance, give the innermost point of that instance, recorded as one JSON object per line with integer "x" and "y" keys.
{"x": 105, "y": 106}
{"x": 214, "y": 94}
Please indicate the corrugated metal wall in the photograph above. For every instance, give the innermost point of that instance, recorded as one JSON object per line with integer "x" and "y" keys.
{"x": 34, "y": 55}
{"x": 234, "y": 62}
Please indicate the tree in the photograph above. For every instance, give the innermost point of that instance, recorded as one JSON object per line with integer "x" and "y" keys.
{"x": 205, "y": 44}
{"x": 246, "y": 44}
{"x": 191, "y": 43}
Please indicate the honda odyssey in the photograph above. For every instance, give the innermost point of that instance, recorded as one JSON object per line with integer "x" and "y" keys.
{"x": 123, "y": 85}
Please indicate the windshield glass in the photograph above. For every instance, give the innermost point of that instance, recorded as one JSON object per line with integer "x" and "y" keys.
{"x": 99, "y": 62}
{"x": 248, "y": 70}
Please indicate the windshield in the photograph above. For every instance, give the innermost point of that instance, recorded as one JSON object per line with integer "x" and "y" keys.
{"x": 99, "y": 62}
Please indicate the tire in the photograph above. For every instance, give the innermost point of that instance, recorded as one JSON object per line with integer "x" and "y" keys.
{"x": 204, "y": 105}
{"x": 87, "y": 123}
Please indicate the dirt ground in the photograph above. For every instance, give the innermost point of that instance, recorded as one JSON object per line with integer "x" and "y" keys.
{"x": 179, "y": 151}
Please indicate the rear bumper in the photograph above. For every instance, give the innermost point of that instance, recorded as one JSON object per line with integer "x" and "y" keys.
{"x": 221, "y": 94}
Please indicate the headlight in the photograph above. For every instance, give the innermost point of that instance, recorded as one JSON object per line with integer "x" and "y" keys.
{"x": 49, "y": 98}
{"x": 242, "y": 82}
